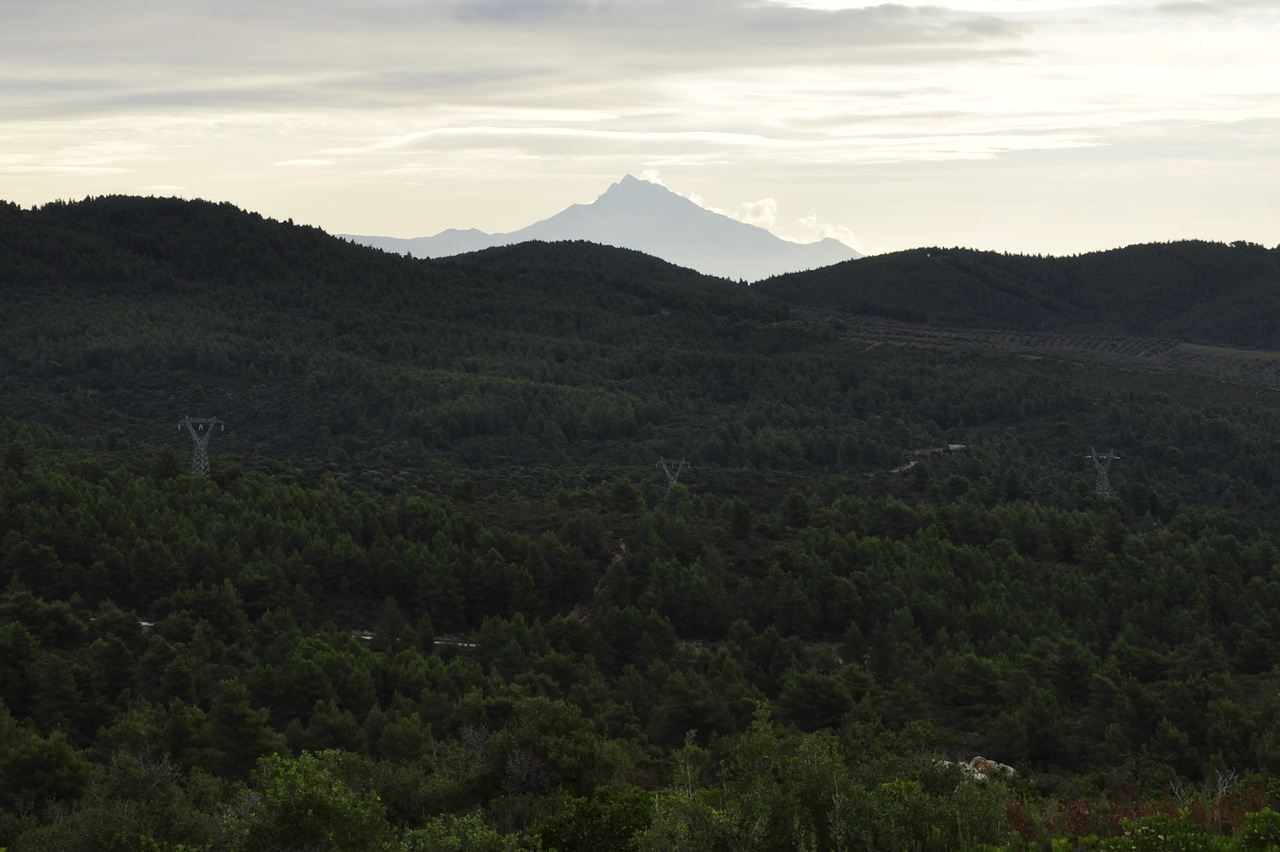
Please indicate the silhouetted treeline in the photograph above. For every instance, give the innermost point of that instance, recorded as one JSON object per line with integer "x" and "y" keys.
{"x": 1190, "y": 290}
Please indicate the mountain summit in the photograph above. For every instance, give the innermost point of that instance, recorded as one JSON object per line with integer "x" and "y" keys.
{"x": 644, "y": 216}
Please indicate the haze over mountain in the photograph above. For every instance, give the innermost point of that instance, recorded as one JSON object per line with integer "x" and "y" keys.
{"x": 647, "y": 217}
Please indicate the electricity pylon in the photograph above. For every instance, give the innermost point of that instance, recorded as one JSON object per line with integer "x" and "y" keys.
{"x": 672, "y": 468}
{"x": 1102, "y": 464}
{"x": 201, "y": 429}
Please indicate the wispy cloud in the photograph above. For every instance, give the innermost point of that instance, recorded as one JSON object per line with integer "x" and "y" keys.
{"x": 102, "y": 158}
{"x": 357, "y": 108}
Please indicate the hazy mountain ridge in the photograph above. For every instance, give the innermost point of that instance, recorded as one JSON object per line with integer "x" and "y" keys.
{"x": 646, "y": 217}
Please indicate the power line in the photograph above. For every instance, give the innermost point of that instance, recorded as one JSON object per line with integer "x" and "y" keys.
{"x": 672, "y": 468}
{"x": 201, "y": 429}
{"x": 1102, "y": 464}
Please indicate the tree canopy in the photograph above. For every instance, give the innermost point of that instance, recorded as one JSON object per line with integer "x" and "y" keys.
{"x": 436, "y": 593}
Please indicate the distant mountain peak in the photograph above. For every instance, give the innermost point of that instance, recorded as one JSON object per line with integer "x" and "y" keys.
{"x": 648, "y": 217}
{"x": 632, "y": 188}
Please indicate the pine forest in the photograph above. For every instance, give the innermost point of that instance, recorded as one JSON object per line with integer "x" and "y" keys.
{"x": 307, "y": 546}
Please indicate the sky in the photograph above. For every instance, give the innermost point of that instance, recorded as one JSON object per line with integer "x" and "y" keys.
{"x": 1031, "y": 126}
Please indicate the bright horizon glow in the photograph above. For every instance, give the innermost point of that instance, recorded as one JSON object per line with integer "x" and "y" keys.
{"x": 1035, "y": 126}
{"x": 1004, "y": 7}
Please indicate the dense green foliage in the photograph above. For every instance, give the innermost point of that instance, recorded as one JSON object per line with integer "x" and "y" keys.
{"x": 1196, "y": 291}
{"x": 436, "y": 595}
{"x": 164, "y": 625}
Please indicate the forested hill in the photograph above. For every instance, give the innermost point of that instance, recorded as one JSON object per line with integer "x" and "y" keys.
{"x": 314, "y": 348}
{"x": 437, "y": 594}
{"x": 141, "y": 245}
{"x": 597, "y": 259}
{"x": 524, "y": 365}
{"x": 1195, "y": 291}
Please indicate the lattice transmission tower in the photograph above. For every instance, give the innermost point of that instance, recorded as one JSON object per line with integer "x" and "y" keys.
{"x": 672, "y": 468}
{"x": 201, "y": 429}
{"x": 1102, "y": 464}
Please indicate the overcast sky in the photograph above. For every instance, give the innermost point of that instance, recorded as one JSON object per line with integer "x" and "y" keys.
{"x": 1016, "y": 125}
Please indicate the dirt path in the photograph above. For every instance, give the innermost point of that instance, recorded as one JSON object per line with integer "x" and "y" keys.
{"x": 1257, "y": 367}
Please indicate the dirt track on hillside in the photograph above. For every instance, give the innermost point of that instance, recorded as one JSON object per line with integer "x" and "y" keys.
{"x": 1255, "y": 367}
